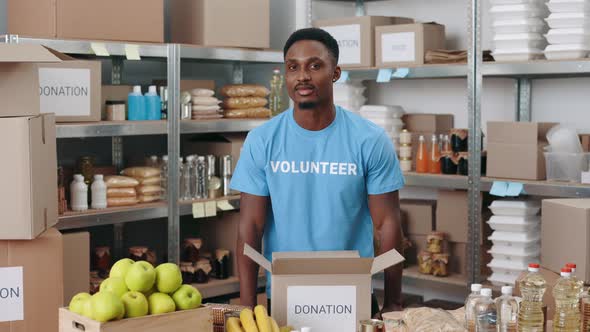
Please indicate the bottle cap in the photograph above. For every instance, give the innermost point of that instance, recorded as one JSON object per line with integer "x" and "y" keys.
{"x": 98, "y": 177}
{"x": 571, "y": 266}
{"x": 434, "y": 138}
{"x": 137, "y": 89}
{"x": 152, "y": 90}
{"x": 506, "y": 290}
{"x": 486, "y": 292}
{"x": 566, "y": 272}
{"x": 276, "y": 71}
{"x": 165, "y": 158}
{"x": 78, "y": 177}
{"x": 533, "y": 267}
{"x": 421, "y": 138}
{"x": 475, "y": 287}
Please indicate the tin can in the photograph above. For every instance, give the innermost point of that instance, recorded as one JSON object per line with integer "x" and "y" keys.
{"x": 371, "y": 325}
{"x": 202, "y": 188}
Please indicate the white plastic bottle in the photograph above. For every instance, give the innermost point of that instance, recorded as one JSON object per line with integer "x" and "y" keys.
{"x": 485, "y": 312}
{"x": 98, "y": 193}
{"x": 469, "y": 303}
{"x": 79, "y": 194}
{"x": 507, "y": 310}
{"x": 153, "y": 104}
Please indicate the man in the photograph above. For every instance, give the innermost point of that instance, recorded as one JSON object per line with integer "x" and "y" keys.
{"x": 317, "y": 177}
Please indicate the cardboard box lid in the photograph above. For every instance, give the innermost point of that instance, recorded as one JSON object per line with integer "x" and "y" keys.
{"x": 345, "y": 262}
{"x": 29, "y": 53}
{"x": 518, "y": 132}
{"x": 578, "y": 203}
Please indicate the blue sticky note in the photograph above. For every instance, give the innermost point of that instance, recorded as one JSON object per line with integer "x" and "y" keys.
{"x": 401, "y": 72}
{"x": 384, "y": 75}
{"x": 343, "y": 77}
{"x": 514, "y": 189}
{"x": 499, "y": 188}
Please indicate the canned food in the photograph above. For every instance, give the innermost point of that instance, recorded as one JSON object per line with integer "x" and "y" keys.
{"x": 371, "y": 325}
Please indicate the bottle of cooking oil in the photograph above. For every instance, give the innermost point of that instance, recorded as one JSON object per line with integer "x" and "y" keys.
{"x": 276, "y": 98}
{"x": 585, "y": 311}
{"x": 532, "y": 287}
{"x": 485, "y": 312}
{"x": 507, "y": 309}
{"x": 573, "y": 266}
{"x": 469, "y": 307}
{"x": 567, "y": 298}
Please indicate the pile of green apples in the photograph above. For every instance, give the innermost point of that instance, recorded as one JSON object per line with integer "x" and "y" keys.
{"x": 136, "y": 289}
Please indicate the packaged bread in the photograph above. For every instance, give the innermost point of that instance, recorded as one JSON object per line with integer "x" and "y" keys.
{"x": 202, "y": 93}
{"x": 206, "y": 108}
{"x": 149, "y": 190}
{"x": 244, "y": 102}
{"x": 118, "y": 181}
{"x": 205, "y": 101}
{"x": 257, "y": 113}
{"x": 148, "y": 198}
{"x": 154, "y": 180}
{"x": 141, "y": 172}
{"x": 121, "y": 201}
{"x": 245, "y": 90}
{"x": 121, "y": 192}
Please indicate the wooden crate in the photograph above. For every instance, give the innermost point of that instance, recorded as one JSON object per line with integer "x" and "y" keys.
{"x": 198, "y": 320}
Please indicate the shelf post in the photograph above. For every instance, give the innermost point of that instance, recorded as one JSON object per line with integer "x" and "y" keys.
{"x": 360, "y": 8}
{"x": 173, "y": 129}
{"x": 523, "y": 100}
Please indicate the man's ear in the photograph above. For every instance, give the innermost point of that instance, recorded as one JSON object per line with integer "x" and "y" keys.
{"x": 337, "y": 73}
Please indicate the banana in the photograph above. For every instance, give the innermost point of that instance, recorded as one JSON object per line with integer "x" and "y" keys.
{"x": 233, "y": 325}
{"x": 262, "y": 319}
{"x": 286, "y": 329}
{"x": 274, "y": 325}
{"x": 247, "y": 319}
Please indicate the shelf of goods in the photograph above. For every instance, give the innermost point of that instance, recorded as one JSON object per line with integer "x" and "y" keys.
{"x": 412, "y": 276}
{"x": 217, "y": 287}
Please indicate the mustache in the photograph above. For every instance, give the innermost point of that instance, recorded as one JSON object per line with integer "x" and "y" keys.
{"x": 304, "y": 85}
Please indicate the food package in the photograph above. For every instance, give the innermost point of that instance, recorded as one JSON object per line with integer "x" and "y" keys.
{"x": 121, "y": 192}
{"x": 149, "y": 190}
{"x": 244, "y": 102}
{"x": 206, "y": 108}
{"x": 141, "y": 172}
{"x": 244, "y": 90}
{"x": 154, "y": 180}
{"x": 148, "y": 198}
{"x": 117, "y": 181}
{"x": 431, "y": 320}
{"x": 258, "y": 113}
{"x": 439, "y": 265}
{"x": 205, "y": 101}
{"x": 205, "y": 113}
{"x": 202, "y": 93}
{"x": 218, "y": 312}
{"x": 121, "y": 201}
{"x": 206, "y": 116}
{"x": 425, "y": 262}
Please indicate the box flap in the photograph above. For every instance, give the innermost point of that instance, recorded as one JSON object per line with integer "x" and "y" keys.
{"x": 60, "y": 55}
{"x": 518, "y": 132}
{"x": 257, "y": 257}
{"x": 315, "y": 254}
{"x": 390, "y": 258}
{"x": 27, "y": 53}
{"x": 579, "y": 203}
{"x": 316, "y": 266}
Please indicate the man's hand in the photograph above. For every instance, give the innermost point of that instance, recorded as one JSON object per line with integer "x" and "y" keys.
{"x": 390, "y": 308}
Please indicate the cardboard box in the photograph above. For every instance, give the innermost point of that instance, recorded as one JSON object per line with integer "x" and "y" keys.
{"x": 113, "y": 93}
{"x": 452, "y": 216}
{"x": 418, "y": 216}
{"x": 230, "y": 23}
{"x": 327, "y": 291}
{"x": 218, "y": 145}
{"x": 517, "y": 143}
{"x": 585, "y": 140}
{"x": 87, "y": 19}
{"x": 565, "y": 235}
{"x": 28, "y": 195}
{"x": 428, "y": 124}
{"x": 406, "y": 44}
{"x": 356, "y": 37}
{"x": 33, "y": 270}
{"x": 76, "y": 260}
{"x": 548, "y": 301}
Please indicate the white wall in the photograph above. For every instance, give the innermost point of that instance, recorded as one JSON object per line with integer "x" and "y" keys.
{"x": 3, "y": 22}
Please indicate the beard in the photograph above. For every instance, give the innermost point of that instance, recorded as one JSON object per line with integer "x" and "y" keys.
{"x": 308, "y": 105}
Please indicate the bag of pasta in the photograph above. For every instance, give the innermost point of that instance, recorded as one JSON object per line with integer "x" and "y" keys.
{"x": 245, "y": 90}
{"x": 248, "y": 113}
{"x": 117, "y": 181}
{"x": 244, "y": 102}
{"x": 141, "y": 172}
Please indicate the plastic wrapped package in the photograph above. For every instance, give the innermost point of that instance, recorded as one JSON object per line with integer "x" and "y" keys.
{"x": 148, "y": 198}
{"x": 244, "y": 90}
{"x": 199, "y": 116}
{"x": 244, "y": 102}
{"x": 121, "y": 192}
{"x": 141, "y": 172}
{"x": 154, "y": 180}
{"x": 205, "y": 113}
{"x": 515, "y": 208}
{"x": 202, "y": 93}
{"x": 431, "y": 320}
{"x": 117, "y": 181}
{"x": 260, "y": 112}
{"x": 121, "y": 201}
{"x": 206, "y": 108}
{"x": 514, "y": 223}
{"x": 205, "y": 101}
{"x": 149, "y": 190}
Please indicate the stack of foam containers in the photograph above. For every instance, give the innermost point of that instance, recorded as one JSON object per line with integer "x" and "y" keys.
{"x": 518, "y": 29}
{"x": 388, "y": 117}
{"x": 350, "y": 95}
{"x": 516, "y": 239}
{"x": 569, "y": 33}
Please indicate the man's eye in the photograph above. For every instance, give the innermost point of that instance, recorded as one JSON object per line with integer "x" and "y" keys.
{"x": 292, "y": 67}
{"x": 315, "y": 66}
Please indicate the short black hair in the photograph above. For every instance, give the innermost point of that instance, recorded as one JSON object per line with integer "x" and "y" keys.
{"x": 316, "y": 34}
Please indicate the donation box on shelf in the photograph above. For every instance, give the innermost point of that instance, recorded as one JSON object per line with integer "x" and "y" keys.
{"x": 324, "y": 290}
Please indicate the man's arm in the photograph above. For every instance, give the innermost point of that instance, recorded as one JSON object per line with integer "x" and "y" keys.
{"x": 250, "y": 231}
{"x": 385, "y": 213}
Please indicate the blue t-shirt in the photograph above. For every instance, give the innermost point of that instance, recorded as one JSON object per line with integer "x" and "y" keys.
{"x": 318, "y": 181}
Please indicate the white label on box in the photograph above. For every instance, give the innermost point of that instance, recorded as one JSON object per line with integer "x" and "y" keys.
{"x": 11, "y": 294}
{"x": 323, "y": 308}
{"x": 349, "y": 42}
{"x": 398, "y": 47}
{"x": 65, "y": 91}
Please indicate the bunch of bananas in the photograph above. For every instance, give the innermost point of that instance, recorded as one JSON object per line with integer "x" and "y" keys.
{"x": 247, "y": 323}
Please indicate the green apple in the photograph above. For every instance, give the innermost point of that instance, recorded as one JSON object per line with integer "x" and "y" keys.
{"x": 140, "y": 277}
{"x": 78, "y": 301}
{"x": 106, "y": 306}
{"x": 120, "y": 268}
{"x": 136, "y": 305}
{"x": 168, "y": 278}
{"x": 160, "y": 303}
{"x": 187, "y": 297}
{"x": 87, "y": 309}
{"x": 114, "y": 285}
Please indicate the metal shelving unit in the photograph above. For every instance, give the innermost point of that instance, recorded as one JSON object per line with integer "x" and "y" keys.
{"x": 110, "y": 216}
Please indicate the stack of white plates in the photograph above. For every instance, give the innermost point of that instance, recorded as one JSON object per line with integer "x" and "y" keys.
{"x": 516, "y": 239}
{"x": 569, "y": 33}
{"x": 518, "y": 29}
{"x": 388, "y": 117}
{"x": 350, "y": 95}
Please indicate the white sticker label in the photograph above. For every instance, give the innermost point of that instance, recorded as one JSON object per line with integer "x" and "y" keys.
{"x": 398, "y": 47}
{"x": 349, "y": 42}
{"x": 11, "y": 294}
{"x": 323, "y": 308}
{"x": 65, "y": 91}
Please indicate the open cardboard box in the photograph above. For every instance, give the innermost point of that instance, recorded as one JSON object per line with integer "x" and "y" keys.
{"x": 324, "y": 290}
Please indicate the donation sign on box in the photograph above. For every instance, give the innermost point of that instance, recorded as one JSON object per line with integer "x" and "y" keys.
{"x": 323, "y": 308}
{"x": 11, "y": 294}
{"x": 349, "y": 42}
{"x": 398, "y": 47}
{"x": 65, "y": 91}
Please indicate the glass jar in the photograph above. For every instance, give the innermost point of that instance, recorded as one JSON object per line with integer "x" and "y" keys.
{"x": 439, "y": 265}
{"x": 101, "y": 261}
{"x": 425, "y": 262}
{"x": 192, "y": 248}
{"x": 86, "y": 168}
{"x": 435, "y": 242}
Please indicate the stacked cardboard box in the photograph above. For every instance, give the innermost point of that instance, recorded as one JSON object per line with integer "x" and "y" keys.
{"x": 418, "y": 220}
{"x": 426, "y": 125}
{"x": 406, "y": 44}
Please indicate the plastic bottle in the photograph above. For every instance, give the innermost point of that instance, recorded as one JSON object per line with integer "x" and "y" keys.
{"x": 153, "y": 104}
{"x": 98, "y": 192}
{"x": 136, "y": 105}
{"x": 573, "y": 266}
{"x": 566, "y": 293}
{"x": 446, "y": 144}
{"x": 190, "y": 184}
{"x": 421, "y": 156}
{"x": 507, "y": 310}
{"x": 532, "y": 287}
{"x": 485, "y": 312}
{"x": 79, "y": 194}
{"x": 434, "y": 160}
{"x": 276, "y": 99}
{"x": 469, "y": 303}
{"x": 585, "y": 300}
{"x": 164, "y": 176}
